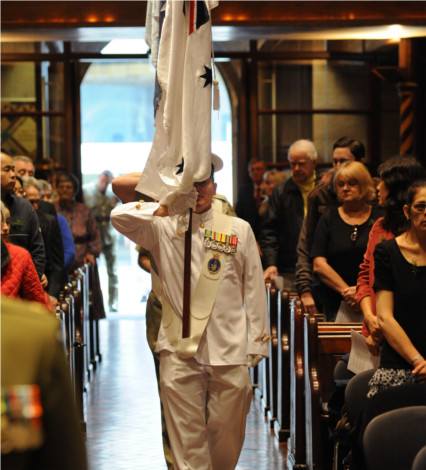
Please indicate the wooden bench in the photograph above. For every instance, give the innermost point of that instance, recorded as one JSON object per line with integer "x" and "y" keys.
{"x": 296, "y": 447}
{"x": 95, "y": 312}
{"x": 282, "y": 423}
{"x": 262, "y": 370}
{"x": 272, "y": 386}
{"x": 324, "y": 344}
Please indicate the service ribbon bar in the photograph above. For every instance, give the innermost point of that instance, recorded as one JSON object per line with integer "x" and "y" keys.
{"x": 220, "y": 242}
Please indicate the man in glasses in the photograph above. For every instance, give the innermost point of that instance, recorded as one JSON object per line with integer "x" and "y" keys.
{"x": 285, "y": 214}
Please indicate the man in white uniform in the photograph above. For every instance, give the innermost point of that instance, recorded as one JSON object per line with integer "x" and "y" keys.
{"x": 204, "y": 380}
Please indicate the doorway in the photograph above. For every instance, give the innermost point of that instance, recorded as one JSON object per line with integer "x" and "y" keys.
{"x": 117, "y": 130}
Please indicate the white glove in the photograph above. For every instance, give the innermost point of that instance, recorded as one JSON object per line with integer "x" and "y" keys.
{"x": 180, "y": 202}
{"x": 253, "y": 359}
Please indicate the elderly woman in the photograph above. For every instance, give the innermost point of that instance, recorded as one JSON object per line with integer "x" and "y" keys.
{"x": 84, "y": 228}
{"x": 46, "y": 190}
{"x": 340, "y": 241}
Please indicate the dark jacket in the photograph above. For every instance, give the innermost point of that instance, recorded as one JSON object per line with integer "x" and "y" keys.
{"x": 52, "y": 238}
{"x": 246, "y": 208}
{"x": 320, "y": 199}
{"x": 25, "y": 229}
{"x": 32, "y": 355}
{"x": 280, "y": 231}
{"x": 46, "y": 207}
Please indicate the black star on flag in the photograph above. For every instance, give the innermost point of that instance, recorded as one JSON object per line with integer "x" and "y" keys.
{"x": 207, "y": 76}
{"x": 180, "y": 166}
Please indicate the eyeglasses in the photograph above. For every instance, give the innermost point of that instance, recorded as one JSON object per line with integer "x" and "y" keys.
{"x": 419, "y": 207}
{"x": 354, "y": 233}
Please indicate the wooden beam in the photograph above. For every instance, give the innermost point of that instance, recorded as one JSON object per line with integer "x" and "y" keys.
{"x": 73, "y": 14}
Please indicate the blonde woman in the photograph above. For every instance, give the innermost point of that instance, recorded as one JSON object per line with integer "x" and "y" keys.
{"x": 340, "y": 241}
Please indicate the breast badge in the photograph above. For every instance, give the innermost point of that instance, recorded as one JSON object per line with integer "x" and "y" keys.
{"x": 214, "y": 264}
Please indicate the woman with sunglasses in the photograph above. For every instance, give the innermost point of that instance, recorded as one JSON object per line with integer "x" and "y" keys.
{"x": 340, "y": 241}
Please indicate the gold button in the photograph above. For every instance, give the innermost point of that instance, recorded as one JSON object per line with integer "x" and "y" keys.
{"x": 201, "y": 225}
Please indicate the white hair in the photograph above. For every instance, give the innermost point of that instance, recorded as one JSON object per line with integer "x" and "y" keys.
{"x": 306, "y": 146}
{"x": 23, "y": 158}
{"x": 28, "y": 181}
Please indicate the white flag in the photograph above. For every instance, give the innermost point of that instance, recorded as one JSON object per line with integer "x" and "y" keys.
{"x": 181, "y": 150}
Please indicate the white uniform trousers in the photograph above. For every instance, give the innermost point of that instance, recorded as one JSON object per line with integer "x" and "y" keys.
{"x": 206, "y": 409}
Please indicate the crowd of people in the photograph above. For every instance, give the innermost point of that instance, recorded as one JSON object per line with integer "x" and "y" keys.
{"x": 352, "y": 244}
{"x": 58, "y": 233}
{"x": 353, "y": 247}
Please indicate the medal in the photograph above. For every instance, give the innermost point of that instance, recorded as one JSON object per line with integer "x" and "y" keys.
{"x": 220, "y": 242}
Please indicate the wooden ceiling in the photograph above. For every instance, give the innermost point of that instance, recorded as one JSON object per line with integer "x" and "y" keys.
{"x": 80, "y": 14}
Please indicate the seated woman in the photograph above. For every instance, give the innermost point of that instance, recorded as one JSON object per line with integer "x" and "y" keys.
{"x": 340, "y": 241}
{"x": 396, "y": 175}
{"x": 19, "y": 278}
{"x": 400, "y": 284}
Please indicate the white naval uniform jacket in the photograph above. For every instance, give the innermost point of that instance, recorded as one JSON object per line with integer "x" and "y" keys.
{"x": 238, "y": 324}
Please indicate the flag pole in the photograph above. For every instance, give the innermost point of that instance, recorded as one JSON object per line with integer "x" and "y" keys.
{"x": 187, "y": 280}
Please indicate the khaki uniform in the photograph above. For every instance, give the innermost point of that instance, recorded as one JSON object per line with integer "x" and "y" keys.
{"x": 101, "y": 206}
{"x": 32, "y": 356}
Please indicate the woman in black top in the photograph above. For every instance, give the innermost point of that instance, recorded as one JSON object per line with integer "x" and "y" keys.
{"x": 341, "y": 238}
{"x": 400, "y": 285}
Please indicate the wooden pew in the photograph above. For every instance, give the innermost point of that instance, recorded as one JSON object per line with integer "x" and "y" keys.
{"x": 95, "y": 312}
{"x": 79, "y": 343}
{"x": 282, "y": 423}
{"x": 296, "y": 447}
{"x": 66, "y": 304}
{"x": 77, "y": 350}
{"x": 262, "y": 391}
{"x": 272, "y": 386}
{"x": 62, "y": 318}
{"x": 81, "y": 282}
{"x": 324, "y": 344}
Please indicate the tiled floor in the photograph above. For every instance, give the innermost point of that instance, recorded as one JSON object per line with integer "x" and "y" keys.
{"x": 123, "y": 421}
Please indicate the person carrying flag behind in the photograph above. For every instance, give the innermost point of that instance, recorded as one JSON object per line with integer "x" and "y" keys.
{"x": 204, "y": 379}
{"x": 214, "y": 324}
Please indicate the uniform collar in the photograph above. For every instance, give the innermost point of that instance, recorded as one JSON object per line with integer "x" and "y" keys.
{"x": 202, "y": 218}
